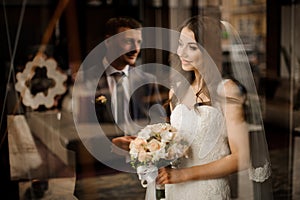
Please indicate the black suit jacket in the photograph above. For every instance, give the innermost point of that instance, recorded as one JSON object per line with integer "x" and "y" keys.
{"x": 145, "y": 94}
{"x": 142, "y": 99}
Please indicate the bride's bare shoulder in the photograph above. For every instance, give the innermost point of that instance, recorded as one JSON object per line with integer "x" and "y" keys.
{"x": 233, "y": 91}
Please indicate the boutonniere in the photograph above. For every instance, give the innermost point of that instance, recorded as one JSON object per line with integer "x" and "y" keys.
{"x": 101, "y": 99}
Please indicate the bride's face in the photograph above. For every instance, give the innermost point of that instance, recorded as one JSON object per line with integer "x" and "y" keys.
{"x": 189, "y": 51}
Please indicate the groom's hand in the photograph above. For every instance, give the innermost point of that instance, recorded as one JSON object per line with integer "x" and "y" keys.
{"x": 123, "y": 142}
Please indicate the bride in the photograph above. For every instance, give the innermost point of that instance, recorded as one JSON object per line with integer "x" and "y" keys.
{"x": 217, "y": 110}
{"x": 213, "y": 110}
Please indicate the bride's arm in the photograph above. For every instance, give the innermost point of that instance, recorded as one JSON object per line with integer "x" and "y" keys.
{"x": 238, "y": 141}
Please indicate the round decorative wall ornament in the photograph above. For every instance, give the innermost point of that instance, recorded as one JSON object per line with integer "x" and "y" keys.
{"x": 40, "y": 82}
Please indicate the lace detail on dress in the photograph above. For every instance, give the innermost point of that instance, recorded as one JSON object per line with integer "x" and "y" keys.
{"x": 260, "y": 174}
{"x": 207, "y": 126}
{"x": 213, "y": 126}
{"x": 179, "y": 120}
{"x": 204, "y": 190}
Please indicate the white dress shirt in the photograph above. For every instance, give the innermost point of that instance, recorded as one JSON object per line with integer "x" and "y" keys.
{"x": 113, "y": 90}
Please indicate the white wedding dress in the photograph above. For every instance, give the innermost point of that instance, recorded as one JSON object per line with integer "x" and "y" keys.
{"x": 207, "y": 124}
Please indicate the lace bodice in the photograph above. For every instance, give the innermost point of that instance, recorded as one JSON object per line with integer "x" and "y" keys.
{"x": 207, "y": 125}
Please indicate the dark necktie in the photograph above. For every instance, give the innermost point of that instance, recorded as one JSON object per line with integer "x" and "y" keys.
{"x": 119, "y": 96}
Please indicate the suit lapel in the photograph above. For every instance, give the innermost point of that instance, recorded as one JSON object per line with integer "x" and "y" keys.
{"x": 104, "y": 112}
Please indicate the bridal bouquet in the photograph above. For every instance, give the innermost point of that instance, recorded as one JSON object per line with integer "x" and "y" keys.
{"x": 156, "y": 145}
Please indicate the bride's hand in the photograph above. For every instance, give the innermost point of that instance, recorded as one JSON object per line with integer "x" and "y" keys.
{"x": 167, "y": 175}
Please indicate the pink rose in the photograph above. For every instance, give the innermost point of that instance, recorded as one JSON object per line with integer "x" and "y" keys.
{"x": 144, "y": 156}
{"x": 153, "y": 145}
{"x": 138, "y": 144}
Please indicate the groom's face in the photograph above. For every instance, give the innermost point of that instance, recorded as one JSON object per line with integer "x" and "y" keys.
{"x": 124, "y": 47}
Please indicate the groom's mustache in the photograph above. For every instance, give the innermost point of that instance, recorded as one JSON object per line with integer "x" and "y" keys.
{"x": 131, "y": 53}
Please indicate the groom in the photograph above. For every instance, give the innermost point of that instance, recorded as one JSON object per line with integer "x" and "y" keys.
{"x": 125, "y": 94}
{"x": 127, "y": 97}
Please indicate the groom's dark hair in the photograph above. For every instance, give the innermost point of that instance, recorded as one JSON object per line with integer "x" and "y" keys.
{"x": 113, "y": 24}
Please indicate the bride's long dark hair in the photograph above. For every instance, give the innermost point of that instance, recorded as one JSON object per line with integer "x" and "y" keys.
{"x": 207, "y": 34}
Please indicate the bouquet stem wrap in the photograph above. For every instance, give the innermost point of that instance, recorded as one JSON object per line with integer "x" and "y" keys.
{"x": 147, "y": 175}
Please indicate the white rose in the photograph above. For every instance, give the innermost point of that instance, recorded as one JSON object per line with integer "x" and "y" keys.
{"x": 167, "y": 136}
{"x": 176, "y": 151}
{"x": 157, "y": 128}
{"x": 157, "y": 155}
{"x": 145, "y": 133}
